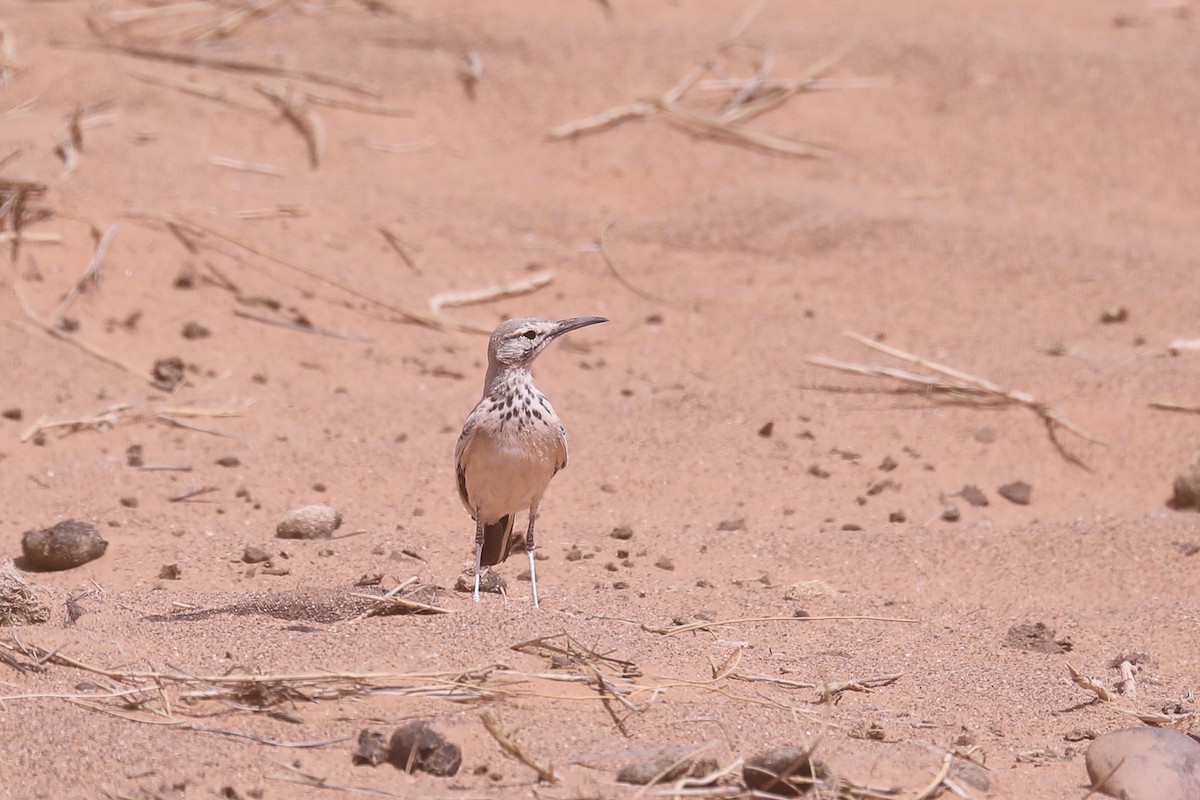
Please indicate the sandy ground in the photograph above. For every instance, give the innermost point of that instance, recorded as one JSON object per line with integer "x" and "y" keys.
{"x": 1003, "y": 177}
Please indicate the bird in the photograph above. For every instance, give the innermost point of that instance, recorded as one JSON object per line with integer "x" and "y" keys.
{"x": 512, "y": 443}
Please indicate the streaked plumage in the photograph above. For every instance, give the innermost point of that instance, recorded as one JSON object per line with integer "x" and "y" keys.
{"x": 512, "y": 443}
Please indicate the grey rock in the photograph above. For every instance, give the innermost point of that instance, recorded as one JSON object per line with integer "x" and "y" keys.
{"x": 68, "y": 544}
{"x": 1155, "y": 764}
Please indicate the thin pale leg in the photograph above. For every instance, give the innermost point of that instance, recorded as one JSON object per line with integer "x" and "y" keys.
{"x": 478, "y": 549}
{"x": 529, "y": 552}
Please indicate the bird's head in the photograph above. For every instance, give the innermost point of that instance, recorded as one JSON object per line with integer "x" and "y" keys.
{"x": 518, "y": 341}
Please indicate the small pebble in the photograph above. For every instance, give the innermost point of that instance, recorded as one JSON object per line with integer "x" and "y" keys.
{"x": 1155, "y": 764}
{"x": 372, "y": 749}
{"x": 574, "y": 554}
{"x": 14, "y": 414}
{"x": 228, "y": 461}
{"x": 309, "y": 522}
{"x": 1187, "y": 486}
{"x": 973, "y": 495}
{"x": 888, "y": 464}
{"x": 662, "y": 768}
{"x": 738, "y": 524}
{"x": 665, "y": 563}
{"x": 1111, "y": 316}
{"x": 771, "y": 771}
{"x": 68, "y": 544}
{"x": 170, "y": 572}
{"x": 1017, "y": 492}
{"x": 766, "y": 430}
{"x": 951, "y": 514}
{"x": 623, "y": 533}
{"x": 416, "y": 746}
{"x": 255, "y": 555}
{"x": 194, "y": 330}
{"x": 897, "y": 516}
{"x": 129, "y": 502}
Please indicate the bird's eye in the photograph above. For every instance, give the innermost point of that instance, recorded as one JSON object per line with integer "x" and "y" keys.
{"x": 531, "y": 335}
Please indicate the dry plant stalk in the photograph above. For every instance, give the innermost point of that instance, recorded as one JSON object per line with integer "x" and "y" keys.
{"x": 90, "y": 275}
{"x": 675, "y": 630}
{"x": 832, "y": 692}
{"x": 297, "y": 111}
{"x": 602, "y": 244}
{"x": 727, "y": 126}
{"x": 1171, "y": 405}
{"x": 1089, "y": 684}
{"x": 187, "y": 225}
{"x": 499, "y": 291}
{"x": 508, "y": 745}
{"x": 17, "y": 211}
{"x": 957, "y": 384}
{"x": 234, "y": 65}
{"x": 83, "y": 345}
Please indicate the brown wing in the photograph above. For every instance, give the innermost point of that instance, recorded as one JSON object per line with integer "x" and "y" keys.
{"x": 460, "y": 453}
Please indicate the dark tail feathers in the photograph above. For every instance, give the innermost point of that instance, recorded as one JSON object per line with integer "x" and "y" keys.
{"x": 498, "y": 540}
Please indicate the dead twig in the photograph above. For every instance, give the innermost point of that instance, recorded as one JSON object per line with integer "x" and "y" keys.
{"x": 90, "y": 275}
{"x": 105, "y": 417}
{"x": 832, "y": 692}
{"x": 1089, "y": 684}
{"x": 399, "y": 245}
{"x": 505, "y": 740}
{"x": 234, "y": 65}
{"x": 675, "y": 630}
{"x": 85, "y": 346}
{"x": 410, "y": 315}
{"x": 296, "y": 110}
{"x": 300, "y": 324}
{"x": 1171, "y": 405}
{"x": 499, "y": 291}
{"x": 602, "y": 244}
{"x": 960, "y": 385}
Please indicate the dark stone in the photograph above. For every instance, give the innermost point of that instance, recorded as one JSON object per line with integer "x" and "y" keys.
{"x": 68, "y": 544}
{"x": 1017, "y": 492}
{"x": 416, "y": 746}
{"x": 784, "y": 771}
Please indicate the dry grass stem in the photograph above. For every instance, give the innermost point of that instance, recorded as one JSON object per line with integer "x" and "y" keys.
{"x": 17, "y": 210}
{"x": 101, "y": 419}
{"x": 88, "y": 348}
{"x": 400, "y": 246}
{"x": 499, "y": 291}
{"x": 319, "y": 99}
{"x": 91, "y": 275}
{"x": 832, "y": 692}
{"x": 936, "y": 786}
{"x": 602, "y": 245}
{"x": 296, "y": 110}
{"x": 188, "y": 225}
{"x": 1089, "y": 684}
{"x": 285, "y": 210}
{"x": 509, "y": 746}
{"x": 386, "y": 605}
{"x": 219, "y": 95}
{"x": 1171, "y": 405}
{"x": 31, "y": 238}
{"x": 302, "y": 325}
{"x": 675, "y": 630}
{"x": 750, "y": 99}
{"x": 957, "y": 384}
{"x": 246, "y": 166}
{"x": 234, "y": 65}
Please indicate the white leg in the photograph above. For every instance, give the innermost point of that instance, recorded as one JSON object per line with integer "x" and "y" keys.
{"x": 529, "y": 552}
{"x": 478, "y": 549}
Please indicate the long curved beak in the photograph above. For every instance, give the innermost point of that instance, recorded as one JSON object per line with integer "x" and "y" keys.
{"x": 568, "y": 325}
